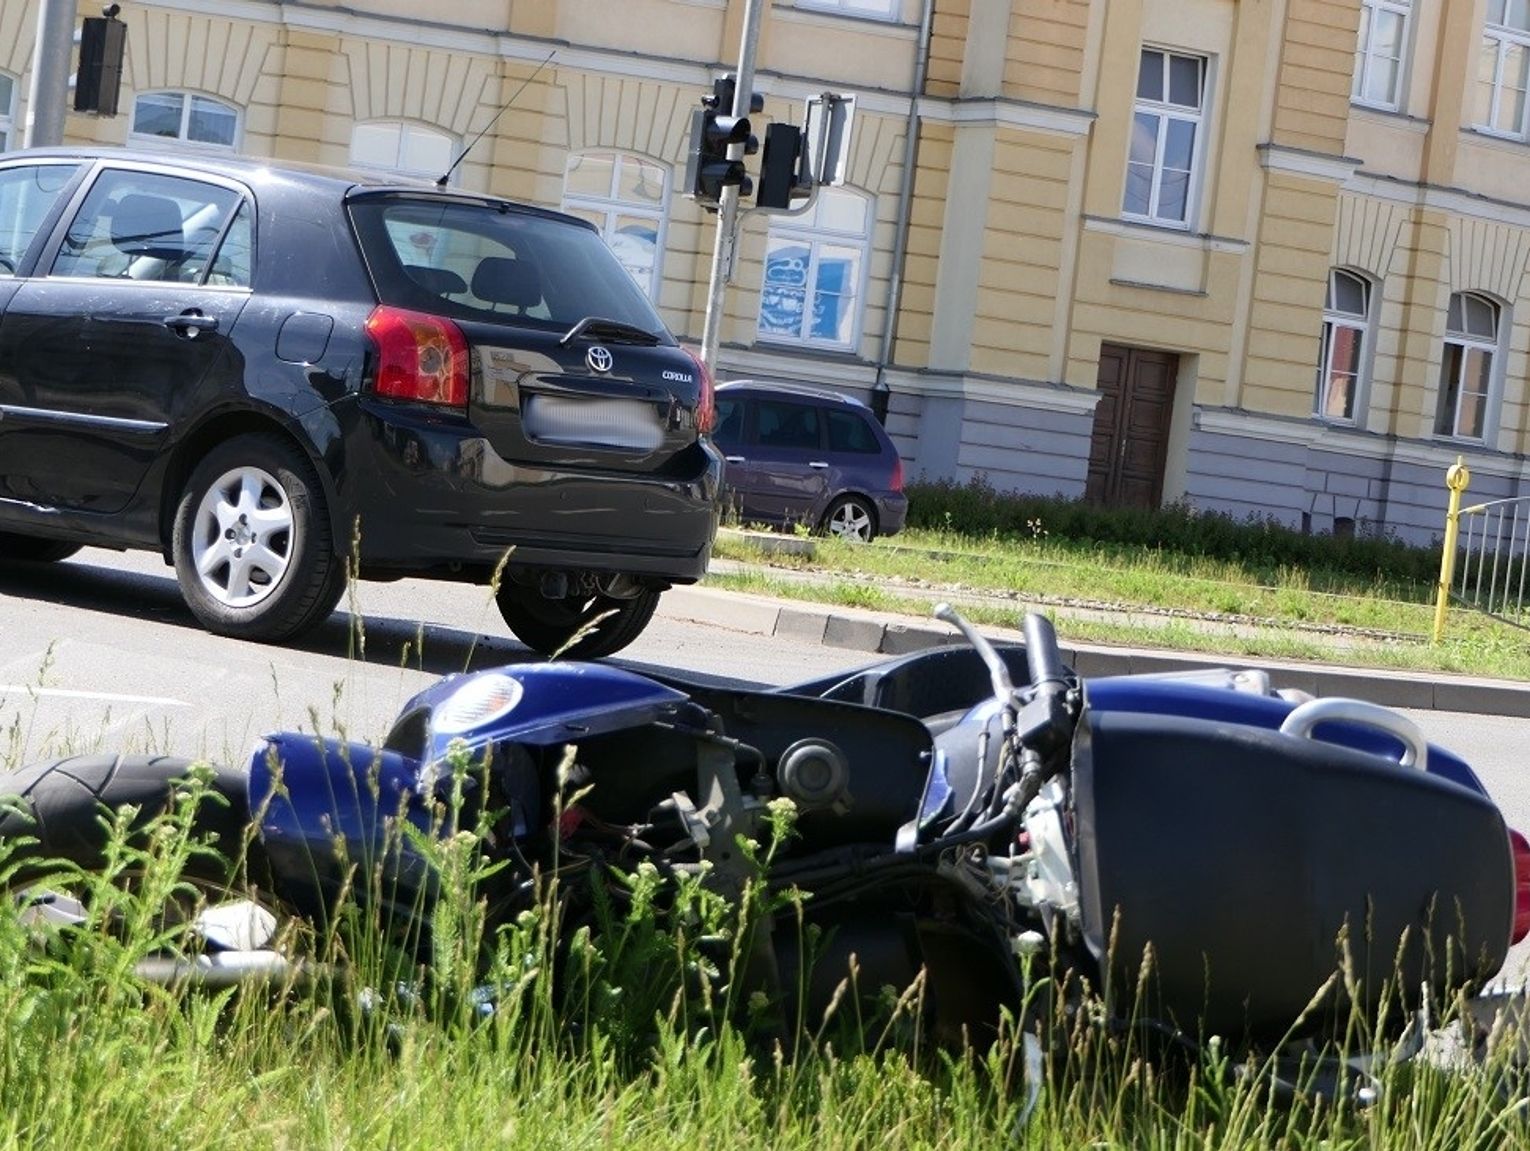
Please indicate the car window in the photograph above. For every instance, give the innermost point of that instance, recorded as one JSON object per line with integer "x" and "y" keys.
{"x": 146, "y": 226}
{"x": 27, "y": 194}
{"x": 781, "y": 424}
{"x": 730, "y": 423}
{"x": 476, "y": 262}
{"x": 849, "y": 432}
{"x": 233, "y": 263}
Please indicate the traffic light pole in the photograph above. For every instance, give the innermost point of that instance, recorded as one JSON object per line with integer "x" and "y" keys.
{"x": 48, "y": 94}
{"x": 727, "y": 209}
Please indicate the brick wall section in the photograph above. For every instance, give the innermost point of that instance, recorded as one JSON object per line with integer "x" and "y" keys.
{"x": 1046, "y": 51}
{"x": 1018, "y": 282}
{"x": 948, "y": 46}
{"x": 1317, "y": 59}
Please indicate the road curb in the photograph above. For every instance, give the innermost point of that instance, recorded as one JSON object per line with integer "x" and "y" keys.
{"x": 878, "y": 633}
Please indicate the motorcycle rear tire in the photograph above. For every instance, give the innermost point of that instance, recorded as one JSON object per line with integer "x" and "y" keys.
{"x": 61, "y": 802}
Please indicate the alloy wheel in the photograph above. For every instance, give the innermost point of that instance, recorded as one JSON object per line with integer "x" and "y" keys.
{"x": 242, "y": 537}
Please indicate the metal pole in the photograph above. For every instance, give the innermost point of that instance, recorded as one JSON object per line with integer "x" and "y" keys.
{"x": 727, "y": 209}
{"x": 1456, "y": 479}
{"x": 48, "y": 94}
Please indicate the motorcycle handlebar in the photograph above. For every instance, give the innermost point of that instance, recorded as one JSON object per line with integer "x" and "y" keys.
{"x": 1042, "y": 655}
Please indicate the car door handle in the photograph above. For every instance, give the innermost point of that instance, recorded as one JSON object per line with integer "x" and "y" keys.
{"x": 733, "y": 459}
{"x": 191, "y": 324}
{"x": 820, "y": 464}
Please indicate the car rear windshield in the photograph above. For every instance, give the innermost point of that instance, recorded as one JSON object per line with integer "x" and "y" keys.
{"x": 480, "y": 261}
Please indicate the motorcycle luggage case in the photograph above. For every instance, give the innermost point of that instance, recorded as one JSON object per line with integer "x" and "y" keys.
{"x": 1252, "y": 862}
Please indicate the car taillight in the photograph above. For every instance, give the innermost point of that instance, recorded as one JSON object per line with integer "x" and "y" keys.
{"x": 706, "y": 402}
{"x": 897, "y": 476}
{"x": 420, "y": 357}
{"x": 1519, "y": 847}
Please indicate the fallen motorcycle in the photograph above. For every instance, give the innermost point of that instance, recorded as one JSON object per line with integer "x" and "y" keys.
{"x": 1202, "y": 851}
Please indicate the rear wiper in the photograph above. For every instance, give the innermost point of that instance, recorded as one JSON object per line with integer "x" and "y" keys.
{"x": 616, "y": 331}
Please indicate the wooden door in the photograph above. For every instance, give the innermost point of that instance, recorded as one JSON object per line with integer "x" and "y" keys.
{"x": 1130, "y": 443}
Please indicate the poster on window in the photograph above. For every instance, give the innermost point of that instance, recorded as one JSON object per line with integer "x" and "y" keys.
{"x": 791, "y": 306}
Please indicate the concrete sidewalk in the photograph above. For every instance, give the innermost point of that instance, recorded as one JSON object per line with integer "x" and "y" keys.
{"x": 881, "y": 633}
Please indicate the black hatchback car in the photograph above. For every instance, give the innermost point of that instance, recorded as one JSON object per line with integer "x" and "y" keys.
{"x": 267, "y": 374}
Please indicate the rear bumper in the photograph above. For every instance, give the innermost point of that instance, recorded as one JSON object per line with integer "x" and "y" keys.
{"x": 431, "y": 493}
{"x": 892, "y": 512}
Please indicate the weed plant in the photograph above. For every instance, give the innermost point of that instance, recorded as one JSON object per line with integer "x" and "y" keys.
{"x": 635, "y": 1030}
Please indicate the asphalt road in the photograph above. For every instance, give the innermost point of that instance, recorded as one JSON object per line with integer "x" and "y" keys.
{"x": 99, "y": 652}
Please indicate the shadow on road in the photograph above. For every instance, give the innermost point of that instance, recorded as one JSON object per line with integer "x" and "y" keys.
{"x": 434, "y": 649}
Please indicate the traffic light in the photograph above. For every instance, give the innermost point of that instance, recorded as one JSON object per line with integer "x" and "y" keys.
{"x": 715, "y": 131}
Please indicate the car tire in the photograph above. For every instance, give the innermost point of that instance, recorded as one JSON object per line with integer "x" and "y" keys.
{"x": 34, "y": 549}
{"x": 549, "y": 625}
{"x": 850, "y": 518}
{"x": 253, "y": 549}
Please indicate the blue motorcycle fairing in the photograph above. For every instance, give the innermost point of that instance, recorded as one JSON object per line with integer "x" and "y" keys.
{"x": 1163, "y": 697}
{"x": 324, "y": 806}
{"x": 549, "y": 704}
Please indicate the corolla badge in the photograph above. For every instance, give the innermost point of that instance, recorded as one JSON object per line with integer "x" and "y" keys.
{"x": 599, "y": 359}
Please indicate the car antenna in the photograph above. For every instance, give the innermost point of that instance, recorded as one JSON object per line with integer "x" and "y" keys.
{"x": 462, "y": 155}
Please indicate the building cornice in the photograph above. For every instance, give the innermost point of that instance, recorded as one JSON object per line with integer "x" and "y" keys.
{"x": 1002, "y": 113}
{"x": 1451, "y": 201}
{"x": 1300, "y": 162}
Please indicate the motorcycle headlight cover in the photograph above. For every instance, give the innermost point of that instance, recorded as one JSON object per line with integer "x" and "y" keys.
{"x": 479, "y": 701}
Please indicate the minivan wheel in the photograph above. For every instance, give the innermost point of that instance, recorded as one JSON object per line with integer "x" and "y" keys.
{"x": 34, "y": 549}
{"x": 549, "y": 625}
{"x": 851, "y": 518}
{"x": 253, "y": 550}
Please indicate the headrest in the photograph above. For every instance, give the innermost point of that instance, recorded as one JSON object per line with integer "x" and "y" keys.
{"x": 505, "y": 281}
{"x": 144, "y": 225}
{"x": 436, "y": 281}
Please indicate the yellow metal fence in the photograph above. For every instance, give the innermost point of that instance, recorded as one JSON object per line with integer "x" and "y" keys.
{"x": 1485, "y": 561}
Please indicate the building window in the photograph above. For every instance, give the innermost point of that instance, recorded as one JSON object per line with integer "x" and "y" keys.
{"x": 186, "y": 117}
{"x": 1380, "y": 51}
{"x": 814, "y": 265}
{"x": 402, "y": 147}
{"x": 625, "y": 197}
{"x": 7, "y": 112}
{"x": 1466, "y": 369}
{"x": 871, "y": 9}
{"x": 1503, "y": 67}
{"x": 1341, "y": 361}
{"x": 1166, "y": 131}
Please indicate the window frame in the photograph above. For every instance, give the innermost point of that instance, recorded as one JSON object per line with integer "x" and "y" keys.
{"x": 8, "y": 141}
{"x": 1166, "y": 112}
{"x": 1365, "y": 53}
{"x": 815, "y": 237}
{"x": 181, "y": 140}
{"x": 402, "y": 123}
{"x": 893, "y": 13}
{"x": 611, "y": 206}
{"x": 1362, "y": 322}
{"x": 1505, "y": 37}
{"x": 1467, "y": 341}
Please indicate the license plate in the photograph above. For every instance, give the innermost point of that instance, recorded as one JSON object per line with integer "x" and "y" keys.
{"x": 593, "y": 421}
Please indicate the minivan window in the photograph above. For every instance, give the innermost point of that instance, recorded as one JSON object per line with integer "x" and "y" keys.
{"x": 476, "y": 262}
{"x": 730, "y": 423}
{"x": 146, "y": 226}
{"x": 27, "y": 194}
{"x": 849, "y": 432}
{"x": 786, "y": 425}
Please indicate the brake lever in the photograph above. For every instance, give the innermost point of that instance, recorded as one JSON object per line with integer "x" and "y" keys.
{"x": 998, "y": 671}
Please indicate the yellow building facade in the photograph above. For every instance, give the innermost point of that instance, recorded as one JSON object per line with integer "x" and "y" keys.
{"x": 1267, "y": 258}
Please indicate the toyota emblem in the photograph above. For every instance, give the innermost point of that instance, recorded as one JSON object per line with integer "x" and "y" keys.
{"x": 599, "y": 359}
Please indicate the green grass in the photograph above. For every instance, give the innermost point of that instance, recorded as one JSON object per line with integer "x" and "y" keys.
{"x": 1141, "y": 597}
{"x": 628, "y": 1049}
